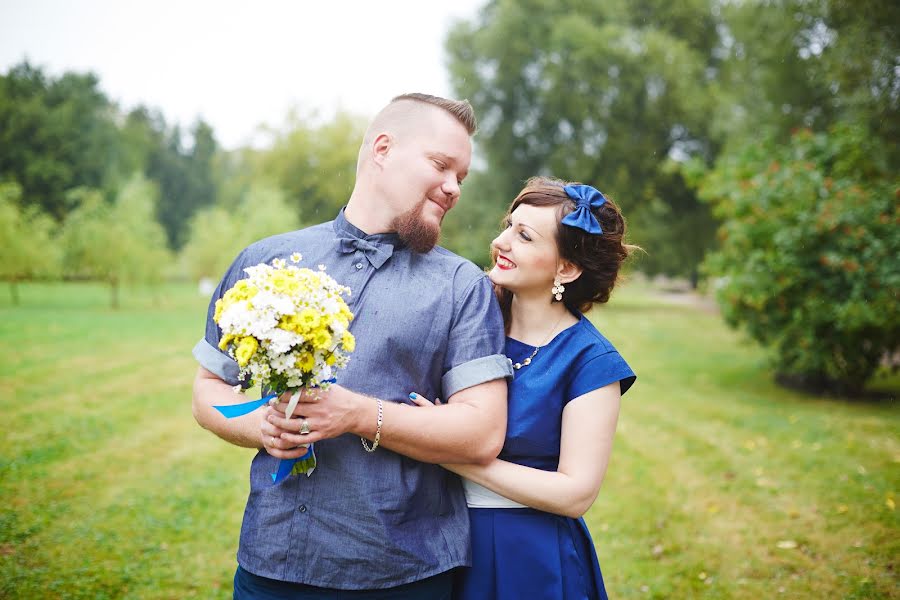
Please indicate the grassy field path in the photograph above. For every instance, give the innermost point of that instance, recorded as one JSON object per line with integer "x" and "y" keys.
{"x": 721, "y": 485}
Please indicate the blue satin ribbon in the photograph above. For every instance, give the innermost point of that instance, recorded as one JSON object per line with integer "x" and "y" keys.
{"x": 230, "y": 411}
{"x": 585, "y": 198}
{"x": 285, "y": 465}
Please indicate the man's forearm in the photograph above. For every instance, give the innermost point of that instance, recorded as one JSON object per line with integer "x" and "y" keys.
{"x": 470, "y": 429}
{"x": 209, "y": 390}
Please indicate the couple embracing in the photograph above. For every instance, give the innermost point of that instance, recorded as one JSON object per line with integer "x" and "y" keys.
{"x": 474, "y": 423}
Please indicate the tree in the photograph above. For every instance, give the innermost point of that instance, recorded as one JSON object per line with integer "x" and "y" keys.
{"x": 596, "y": 92}
{"x": 26, "y": 237}
{"x": 185, "y": 176}
{"x": 808, "y": 258}
{"x": 313, "y": 163}
{"x": 115, "y": 243}
{"x": 218, "y": 234}
{"x": 795, "y": 63}
{"x": 55, "y": 134}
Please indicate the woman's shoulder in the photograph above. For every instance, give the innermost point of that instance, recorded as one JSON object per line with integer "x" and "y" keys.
{"x": 596, "y": 362}
{"x": 588, "y": 337}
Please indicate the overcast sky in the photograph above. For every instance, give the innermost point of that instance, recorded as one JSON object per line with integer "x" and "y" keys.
{"x": 239, "y": 63}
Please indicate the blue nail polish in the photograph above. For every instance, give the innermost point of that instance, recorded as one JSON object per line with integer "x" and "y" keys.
{"x": 413, "y": 396}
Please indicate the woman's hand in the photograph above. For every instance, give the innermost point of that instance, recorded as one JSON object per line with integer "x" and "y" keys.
{"x": 422, "y": 400}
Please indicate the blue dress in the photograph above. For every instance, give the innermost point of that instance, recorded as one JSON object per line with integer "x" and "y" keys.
{"x": 522, "y": 552}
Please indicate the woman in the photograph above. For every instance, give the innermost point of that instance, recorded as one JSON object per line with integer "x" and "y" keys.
{"x": 559, "y": 254}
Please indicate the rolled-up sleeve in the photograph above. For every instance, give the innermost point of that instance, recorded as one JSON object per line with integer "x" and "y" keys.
{"x": 475, "y": 346}
{"x": 207, "y": 351}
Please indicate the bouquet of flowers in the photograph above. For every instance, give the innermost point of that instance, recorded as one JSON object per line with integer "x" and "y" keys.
{"x": 287, "y": 328}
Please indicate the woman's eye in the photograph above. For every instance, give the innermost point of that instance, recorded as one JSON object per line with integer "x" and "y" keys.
{"x": 524, "y": 236}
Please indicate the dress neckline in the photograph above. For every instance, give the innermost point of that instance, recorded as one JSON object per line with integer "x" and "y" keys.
{"x": 555, "y": 337}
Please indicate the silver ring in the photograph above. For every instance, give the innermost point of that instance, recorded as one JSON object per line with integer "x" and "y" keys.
{"x": 304, "y": 427}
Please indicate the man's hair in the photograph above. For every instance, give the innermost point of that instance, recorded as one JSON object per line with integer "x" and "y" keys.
{"x": 461, "y": 110}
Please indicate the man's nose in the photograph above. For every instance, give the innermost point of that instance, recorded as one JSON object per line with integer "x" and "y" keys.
{"x": 451, "y": 188}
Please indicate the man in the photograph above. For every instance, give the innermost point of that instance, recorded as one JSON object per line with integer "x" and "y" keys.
{"x": 386, "y": 522}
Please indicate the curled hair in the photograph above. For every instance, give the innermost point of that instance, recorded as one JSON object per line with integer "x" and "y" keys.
{"x": 599, "y": 256}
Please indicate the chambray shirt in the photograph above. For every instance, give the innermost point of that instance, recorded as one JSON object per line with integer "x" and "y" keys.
{"x": 424, "y": 322}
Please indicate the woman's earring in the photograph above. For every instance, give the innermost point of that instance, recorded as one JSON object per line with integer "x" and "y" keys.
{"x": 557, "y": 290}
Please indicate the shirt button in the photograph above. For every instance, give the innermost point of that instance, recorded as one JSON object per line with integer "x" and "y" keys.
{"x": 302, "y": 508}
{"x": 359, "y": 265}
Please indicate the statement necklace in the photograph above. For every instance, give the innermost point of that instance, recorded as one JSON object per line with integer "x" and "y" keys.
{"x": 527, "y": 361}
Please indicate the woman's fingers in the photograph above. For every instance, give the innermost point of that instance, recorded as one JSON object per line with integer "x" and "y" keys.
{"x": 423, "y": 401}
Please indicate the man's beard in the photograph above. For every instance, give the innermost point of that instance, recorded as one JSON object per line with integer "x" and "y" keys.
{"x": 419, "y": 235}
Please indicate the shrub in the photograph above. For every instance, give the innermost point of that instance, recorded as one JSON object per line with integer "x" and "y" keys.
{"x": 808, "y": 258}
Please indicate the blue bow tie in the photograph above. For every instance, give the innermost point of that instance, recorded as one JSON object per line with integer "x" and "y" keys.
{"x": 375, "y": 252}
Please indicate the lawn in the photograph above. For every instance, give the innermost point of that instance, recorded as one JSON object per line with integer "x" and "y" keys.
{"x": 721, "y": 485}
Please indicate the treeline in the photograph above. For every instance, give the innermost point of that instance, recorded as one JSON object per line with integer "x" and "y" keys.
{"x": 753, "y": 145}
{"x": 89, "y": 191}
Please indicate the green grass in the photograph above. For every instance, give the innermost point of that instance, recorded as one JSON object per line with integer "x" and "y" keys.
{"x": 110, "y": 490}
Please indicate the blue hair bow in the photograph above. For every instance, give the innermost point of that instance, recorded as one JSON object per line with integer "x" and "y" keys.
{"x": 585, "y": 198}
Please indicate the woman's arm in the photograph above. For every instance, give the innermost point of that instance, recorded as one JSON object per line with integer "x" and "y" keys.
{"x": 588, "y": 427}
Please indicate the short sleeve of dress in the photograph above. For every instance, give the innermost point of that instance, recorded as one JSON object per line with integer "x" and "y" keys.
{"x": 475, "y": 346}
{"x": 206, "y": 351}
{"x": 599, "y": 371}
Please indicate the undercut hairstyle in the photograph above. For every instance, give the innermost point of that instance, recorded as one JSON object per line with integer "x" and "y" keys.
{"x": 599, "y": 256}
{"x": 461, "y": 110}
{"x": 402, "y": 110}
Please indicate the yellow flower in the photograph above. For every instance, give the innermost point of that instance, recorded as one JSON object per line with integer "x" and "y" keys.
{"x": 220, "y": 306}
{"x": 242, "y": 290}
{"x": 279, "y": 282}
{"x": 226, "y": 339}
{"x": 306, "y": 362}
{"x": 246, "y": 348}
{"x": 330, "y": 360}
{"x": 345, "y": 312}
{"x": 321, "y": 340}
{"x": 309, "y": 318}
{"x": 348, "y": 341}
{"x": 290, "y": 323}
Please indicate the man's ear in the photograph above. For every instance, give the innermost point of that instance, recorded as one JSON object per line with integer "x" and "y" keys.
{"x": 381, "y": 146}
{"x": 567, "y": 271}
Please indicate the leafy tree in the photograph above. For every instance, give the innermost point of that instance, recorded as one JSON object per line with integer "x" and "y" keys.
{"x": 808, "y": 258}
{"x": 26, "y": 236}
{"x": 218, "y": 234}
{"x": 55, "y": 134}
{"x": 313, "y": 162}
{"x": 795, "y": 63}
{"x": 185, "y": 176}
{"x": 115, "y": 243}
{"x": 599, "y": 92}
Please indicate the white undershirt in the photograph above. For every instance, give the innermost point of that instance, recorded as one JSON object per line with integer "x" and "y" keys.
{"x": 478, "y": 496}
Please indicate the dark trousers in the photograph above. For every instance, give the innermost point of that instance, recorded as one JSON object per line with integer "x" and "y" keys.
{"x": 248, "y": 586}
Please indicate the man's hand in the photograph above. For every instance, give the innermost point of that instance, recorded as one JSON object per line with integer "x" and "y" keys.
{"x": 324, "y": 413}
